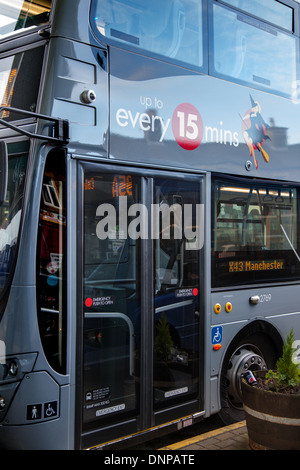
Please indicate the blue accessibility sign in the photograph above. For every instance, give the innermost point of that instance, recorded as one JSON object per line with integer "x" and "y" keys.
{"x": 216, "y": 335}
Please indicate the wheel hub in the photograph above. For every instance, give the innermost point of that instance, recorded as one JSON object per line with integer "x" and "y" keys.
{"x": 243, "y": 359}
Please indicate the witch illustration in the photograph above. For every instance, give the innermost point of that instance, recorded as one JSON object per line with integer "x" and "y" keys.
{"x": 255, "y": 131}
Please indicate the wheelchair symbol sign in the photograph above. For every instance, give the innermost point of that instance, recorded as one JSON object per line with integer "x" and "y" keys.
{"x": 216, "y": 334}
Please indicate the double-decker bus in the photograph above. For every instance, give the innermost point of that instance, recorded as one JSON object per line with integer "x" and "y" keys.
{"x": 150, "y": 213}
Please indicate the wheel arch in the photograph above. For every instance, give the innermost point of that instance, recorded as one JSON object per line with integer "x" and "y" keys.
{"x": 260, "y": 326}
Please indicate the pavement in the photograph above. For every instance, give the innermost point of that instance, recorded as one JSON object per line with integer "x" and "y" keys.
{"x": 232, "y": 437}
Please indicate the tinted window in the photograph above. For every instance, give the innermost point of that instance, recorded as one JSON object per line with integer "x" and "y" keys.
{"x": 18, "y": 14}
{"x": 248, "y": 51}
{"x": 52, "y": 262}
{"x": 19, "y": 81}
{"x": 11, "y": 210}
{"x": 268, "y": 10}
{"x": 111, "y": 277}
{"x": 176, "y": 270}
{"x": 172, "y": 28}
{"x": 255, "y": 233}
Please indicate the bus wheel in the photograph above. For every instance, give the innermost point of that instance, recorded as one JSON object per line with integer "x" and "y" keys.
{"x": 254, "y": 353}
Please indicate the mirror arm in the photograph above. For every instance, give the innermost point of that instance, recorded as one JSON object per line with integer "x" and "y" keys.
{"x": 60, "y": 127}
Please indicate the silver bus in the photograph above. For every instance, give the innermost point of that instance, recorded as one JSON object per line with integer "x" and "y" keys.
{"x": 149, "y": 218}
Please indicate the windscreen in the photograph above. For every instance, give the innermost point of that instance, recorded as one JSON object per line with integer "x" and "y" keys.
{"x": 255, "y": 233}
{"x": 18, "y": 14}
{"x": 11, "y": 210}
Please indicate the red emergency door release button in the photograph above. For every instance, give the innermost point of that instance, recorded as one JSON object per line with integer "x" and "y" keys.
{"x": 217, "y": 346}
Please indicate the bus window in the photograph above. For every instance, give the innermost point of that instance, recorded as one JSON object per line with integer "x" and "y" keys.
{"x": 255, "y": 233}
{"x": 248, "y": 51}
{"x": 172, "y": 28}
{"x": 19, "y": 14}
{"x": 51, "y": 262}
{"x": 273, "y": 12}
{"x": 11, "y": 209}
{"x": 20, "y": 80}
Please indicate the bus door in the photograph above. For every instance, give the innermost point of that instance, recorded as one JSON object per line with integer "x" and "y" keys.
{"x": 177, "y": 241}
{"x": 140, "y": 290}
{"x": 111, "y": 306}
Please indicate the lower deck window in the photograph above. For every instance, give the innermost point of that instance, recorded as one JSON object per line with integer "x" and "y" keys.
{"x": 255, "y": 232}
{"x": 51, "y": 262}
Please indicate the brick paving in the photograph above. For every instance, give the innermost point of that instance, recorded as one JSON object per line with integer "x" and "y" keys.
{"x": 233, "y": 437}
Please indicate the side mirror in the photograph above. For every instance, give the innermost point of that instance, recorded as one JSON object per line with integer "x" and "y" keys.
{"x": 3, "y": 171}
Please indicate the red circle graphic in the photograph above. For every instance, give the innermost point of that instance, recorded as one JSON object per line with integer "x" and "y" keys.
{"x": 89, "y": 302}
{"x": 187, "y": 126}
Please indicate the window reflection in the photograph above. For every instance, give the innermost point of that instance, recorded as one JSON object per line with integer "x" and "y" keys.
{"x": 19, "y": 14}
{"x": 20, "y": 80}
{"x": 52, "y": 261}
{"x": 249, "y": 51}
{"x": 254, "y": 233}
{"x": 250, "y": 43}
{"x": 177, "y": 282}
{"x": 273, "y": 12}
{"x": 172, "y": 28}
{"x": 111, "y": 299}
{"x": 10, "y": 211}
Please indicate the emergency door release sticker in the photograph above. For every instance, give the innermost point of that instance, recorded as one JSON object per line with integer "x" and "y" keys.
{"x": 102, "y": 301}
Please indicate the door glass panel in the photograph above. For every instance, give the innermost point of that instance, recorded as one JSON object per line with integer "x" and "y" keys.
{"x": 111, "y": 300}
{"x": 177, "y": 247}
{"x": 274, "y": 12}
{"x": 238, "y": 55}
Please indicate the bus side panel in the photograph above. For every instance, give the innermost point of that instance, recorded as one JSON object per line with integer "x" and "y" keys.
{"x": 55, "y": 434}
{"x": 271, "y": 311}
{"x": 148, "y": 113}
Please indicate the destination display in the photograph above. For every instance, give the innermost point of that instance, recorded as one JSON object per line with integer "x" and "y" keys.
{"x": 265, "y": 265}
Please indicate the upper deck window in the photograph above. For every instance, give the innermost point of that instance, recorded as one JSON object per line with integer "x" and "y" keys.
{"x": 268, "y": 10}
{"x": 251, "y": 52}
{"x": 22, "y": 14}
{"x": 171, "y": 28}
{"x": 254, "y": 43}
